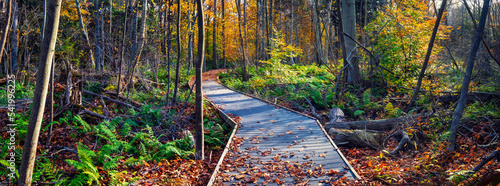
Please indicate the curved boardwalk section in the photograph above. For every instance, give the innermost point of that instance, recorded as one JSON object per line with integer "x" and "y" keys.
{"x": 275, "y": 146}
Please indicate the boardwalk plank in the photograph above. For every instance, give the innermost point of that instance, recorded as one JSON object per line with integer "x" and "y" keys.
{"x": 268, "y": 132}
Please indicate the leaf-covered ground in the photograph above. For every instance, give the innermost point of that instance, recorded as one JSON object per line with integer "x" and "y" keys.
{"x": 138, "y": 164}
{"x": 428, "y": 164}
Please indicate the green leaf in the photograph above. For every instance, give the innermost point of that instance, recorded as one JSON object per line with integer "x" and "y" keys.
{"x": 358, "y": 112}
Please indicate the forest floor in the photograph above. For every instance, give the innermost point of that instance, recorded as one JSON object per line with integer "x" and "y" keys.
{"x": 427, "y": 164}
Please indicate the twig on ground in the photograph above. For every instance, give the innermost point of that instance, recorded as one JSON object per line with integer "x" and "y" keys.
{"x": 313, "y": 110}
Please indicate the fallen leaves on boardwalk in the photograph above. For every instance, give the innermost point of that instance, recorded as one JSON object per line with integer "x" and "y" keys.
{"x": 240, "y": 168}
{"x": 211, "y": 75}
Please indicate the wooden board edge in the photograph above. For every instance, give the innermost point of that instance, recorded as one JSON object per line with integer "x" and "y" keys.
{"x": 268, "y": 102}
{"x": 357, "y": 177}
{"x": 231, "y": 122}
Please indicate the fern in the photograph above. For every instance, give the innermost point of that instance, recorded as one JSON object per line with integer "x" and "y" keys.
{"x": 85, "y": 127}
{"x": 125, "y": 130}
{"x": 47, "y": 172}
{"x": 88, "y": 171}
{"x": 112, "y": 163}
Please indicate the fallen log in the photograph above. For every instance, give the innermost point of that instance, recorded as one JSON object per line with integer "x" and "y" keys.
{"x": 471, "y": 97}
{"x": 93, "y": 114}
{"x": 136, "y": 103}
{"x": 377, "y": 125}
{"x": 111, "y": 99}
{"x": 357, "y": 138}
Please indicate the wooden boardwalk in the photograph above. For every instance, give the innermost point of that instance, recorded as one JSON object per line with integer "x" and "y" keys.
{"x": 275, "y": 146}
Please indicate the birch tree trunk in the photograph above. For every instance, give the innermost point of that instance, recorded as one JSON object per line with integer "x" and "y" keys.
{"x": 42, "y": 79}
{"x": 200, "y": 146}
{"x": 457, "y": 115}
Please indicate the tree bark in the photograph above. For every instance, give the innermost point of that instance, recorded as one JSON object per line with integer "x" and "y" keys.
{"x": 51, "y": 103}
{"x": 122, "y": 58}
{"x": 378, "y": 125}
{"x": 169, "y": 46}
{"x": 5, "y": 30}
{"x": 14, "y": 38}
{"x": 427, "y": 56}
{"x": 200, "y": 146}
{"x": 349, "y": 27}
{"x": 137, "y": 54}
{"x": 191, "y": 21}
{"x": 457, "y": 115}
{"x": 177, "y": 68}
{"x": 43, "y": 76}
{"x": 317, "y": 32}
{"x": 97, "y": 36}
{"x": 242, "y": 42}
{"x": 261, "y": 32}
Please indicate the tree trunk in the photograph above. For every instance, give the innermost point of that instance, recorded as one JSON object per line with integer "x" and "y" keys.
{"x": 13, "y": 41}
{"x": 482, "y": 39}
{"x": 191, "y": 21}
{"x": 200, "y": 146}
{"x": 5, "y": 30}
{"x": 214, "y": 37}
{"x": 177, "y": 68}
{"x": 427, "y": 56}
{"x": 97, "y": 36}
{"x": 120, "y": 66}
{"x": 457, "y": 115}
{"x": 137, "y": 54}
{"x": 349, "y": 27}
{"x": 169, "y": 46}
{"x": 42, "y": 79}
{"x": 242, "y": 42}
{"x": 111, "y": 16}
{"x": 245, "y": 19}
{"x": 340, "y": 29}
{"x": 261, "y": 33}
{"x": 223, "y": 32}
{"x": 84, "y": 30}
{"x": 51, "y": 103}
{"x": 317, "y": 32}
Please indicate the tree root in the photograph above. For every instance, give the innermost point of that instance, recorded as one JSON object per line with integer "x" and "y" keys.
{"x": 405, "y": 141}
